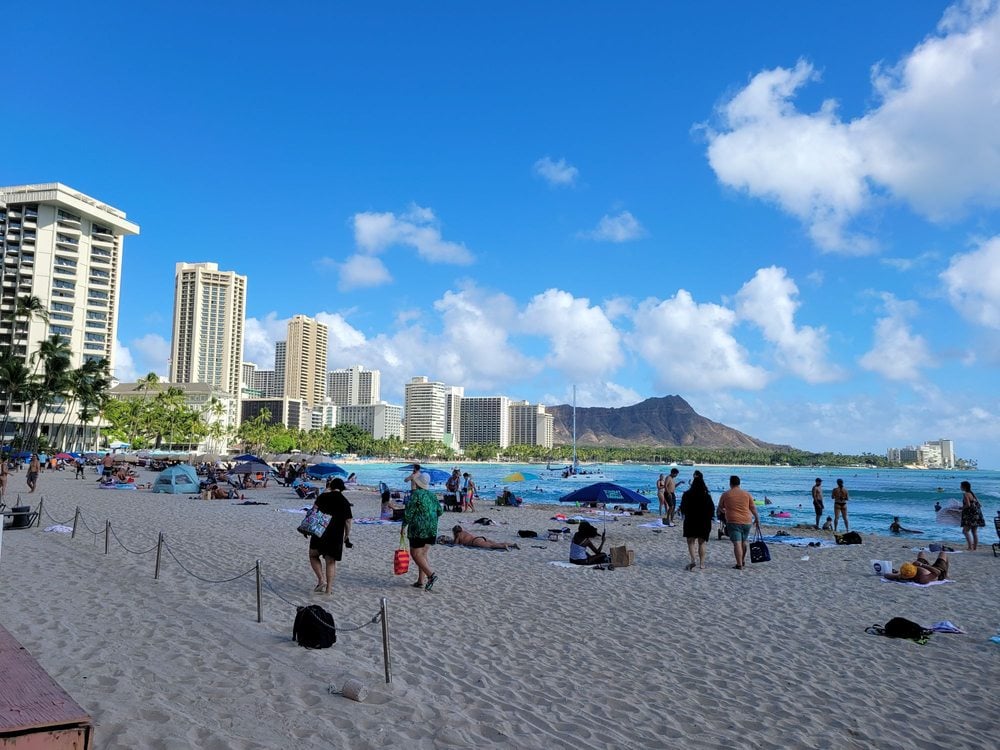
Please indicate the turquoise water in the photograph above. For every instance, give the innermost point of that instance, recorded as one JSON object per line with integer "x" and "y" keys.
{"x": 876, "y": 495}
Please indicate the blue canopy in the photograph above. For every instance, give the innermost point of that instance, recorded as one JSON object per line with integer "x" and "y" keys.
{"x": 325, "y": 470}
{"x": 436, "y": 475}
{"x": 249, "y": 457}
{"x": 605, "y": 493}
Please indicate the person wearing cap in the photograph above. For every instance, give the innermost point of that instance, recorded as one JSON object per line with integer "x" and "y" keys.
{"x": 420, "y": 523}
{"x": 921, "y": 571}
{"x": 582, "y": 550}
{"x": 817, "y": 493}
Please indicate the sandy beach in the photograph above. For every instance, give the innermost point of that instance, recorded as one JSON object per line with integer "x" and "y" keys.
{"x": 506, "y": 651}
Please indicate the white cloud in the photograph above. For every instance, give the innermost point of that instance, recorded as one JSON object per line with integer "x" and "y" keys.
{"x": 769, "y": 300}
{"x": 259, "y": 337}
{"x": 417, "y": 228}
{"x": 556, "y": 173}
{"x": 152, "y": 354}
{"x": 363, "y": 271}
{"x": 583, "y": 343}
{"x": 931, "y": 142}
{"x": 622, "y": 227}
{"x": 124, "y": 365}
{"x": 973, "y": 283}
{"x": 897, "y": 353}
{"x": 690, "y": 346}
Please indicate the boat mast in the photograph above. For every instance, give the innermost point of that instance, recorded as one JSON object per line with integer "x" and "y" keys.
{"x": 574, "y": 430}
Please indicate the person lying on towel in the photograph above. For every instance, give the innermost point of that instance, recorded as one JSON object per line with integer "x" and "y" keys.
{"x": 582, "y": 550}
{"x": 465, "y": 539}
{"x": 921, "y": 571}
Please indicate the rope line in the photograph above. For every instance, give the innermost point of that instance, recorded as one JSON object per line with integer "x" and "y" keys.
{"x": 59, "y": 523}
{"x": 134, "y": 552}
{"x": 87, "y": 526}
{"x": 375, "y": 619}
{"x": 200, "y": 578}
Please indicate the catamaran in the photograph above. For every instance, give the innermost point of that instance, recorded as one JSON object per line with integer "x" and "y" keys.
{"x": 574, "y": 472}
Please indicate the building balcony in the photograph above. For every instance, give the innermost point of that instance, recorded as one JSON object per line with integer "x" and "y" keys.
{"x": 67, "y": 243}
{"x": 102, "y": 236}
{"x": 66, "y": 223}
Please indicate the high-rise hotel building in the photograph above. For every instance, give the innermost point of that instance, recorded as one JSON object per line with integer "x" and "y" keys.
{"x": 65, "y": 248}
{"x": 354, "y": 386}
{"x": 305, "y": 360}
{"x": 424, "y": 409}
{"x": 209, "y": 314}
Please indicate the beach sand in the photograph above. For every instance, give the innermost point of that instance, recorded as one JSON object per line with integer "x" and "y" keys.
{"x": 506, "y": 651}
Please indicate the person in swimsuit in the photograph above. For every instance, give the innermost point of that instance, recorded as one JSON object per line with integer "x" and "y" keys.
{"x": 465, "y": 539}
{"x": 817, "y": 493}
{"x": 840, "y": 497}
{"x": 921, "y": 571}
{"x": 896, "y": 528}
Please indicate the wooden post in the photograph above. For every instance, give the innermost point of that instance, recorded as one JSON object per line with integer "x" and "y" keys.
{"x": 159, "y": 547}
{"x": 76, "y": 518}
{"x": 385, "y": 640}
{"x": 41, "y": 507}
{"x": 107, "y": 536}
{"x": 260, "y": 606}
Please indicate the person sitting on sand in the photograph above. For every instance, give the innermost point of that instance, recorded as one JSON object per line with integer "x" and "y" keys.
{"x": 582, "y": 542}
{"x": 895, "y": 528}
{"x": 828, "y": 524}
{"x": 921, "y": 571}
{"x": 389, "y": 508}
{"x": 465, "y": 539}
{"x": 507, "y": 498}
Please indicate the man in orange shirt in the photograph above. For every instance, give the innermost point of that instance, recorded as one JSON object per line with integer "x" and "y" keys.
{"x": 740, "y": 511}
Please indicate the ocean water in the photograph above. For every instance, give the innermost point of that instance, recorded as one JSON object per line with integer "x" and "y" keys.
{"x": 876, "y": 495}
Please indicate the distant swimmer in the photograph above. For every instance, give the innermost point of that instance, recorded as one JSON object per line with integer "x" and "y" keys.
{"x": 895, "y": 528}
{"x": 937, "y": 507}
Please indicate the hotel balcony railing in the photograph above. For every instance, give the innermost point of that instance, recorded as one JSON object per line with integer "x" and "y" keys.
{"x": 102, "y": 236}
{"x": 68, "y": 223}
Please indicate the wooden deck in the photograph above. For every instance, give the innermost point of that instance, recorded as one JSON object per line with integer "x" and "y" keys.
{"x": 35, "y": 712}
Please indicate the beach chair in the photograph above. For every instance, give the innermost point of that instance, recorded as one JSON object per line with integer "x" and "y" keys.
{"x": 996, "y": 546}
{"x": 20, "y": 517}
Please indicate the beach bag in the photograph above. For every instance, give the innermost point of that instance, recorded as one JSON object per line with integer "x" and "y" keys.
{"x": 900, "y": 627}
{"x": 529, "y": 534}
{"x": 758, "y": 549}
{"x": 881, "y": 567}
{"x": 851, "y": 537}
{"x": 401, "y": 558}
{"x": 314, "y": 627}
{"x": 622, "y": 557}
{"x": 315, "y": 523}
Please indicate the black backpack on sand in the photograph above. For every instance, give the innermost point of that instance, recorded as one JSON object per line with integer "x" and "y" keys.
{"x": 314, "y": 627}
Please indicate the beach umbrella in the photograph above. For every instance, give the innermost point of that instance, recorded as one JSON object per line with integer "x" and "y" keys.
{"x": 520, "y": 476}
{"x": 249, "y": 457}
{"x": 251, "y": 467}
{"x": 64, "y": 456}
{"x": 325, "y": 470}
{"x": 436, "y": 476}
{"x": 604, "y": 492}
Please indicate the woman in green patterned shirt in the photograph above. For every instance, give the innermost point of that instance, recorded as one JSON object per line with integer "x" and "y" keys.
{"x": 420, "y": 520}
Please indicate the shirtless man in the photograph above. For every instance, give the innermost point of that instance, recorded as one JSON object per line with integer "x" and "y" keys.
{"x": 670, "y": 494}
{"x": 108, "y": 464}
{"x": 818, "y": 499}
{"x": 922, "y": 571}
{"x": 465, "y": 539}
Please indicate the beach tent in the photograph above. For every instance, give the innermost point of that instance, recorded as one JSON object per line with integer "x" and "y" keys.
{"x": 176, "y": 480}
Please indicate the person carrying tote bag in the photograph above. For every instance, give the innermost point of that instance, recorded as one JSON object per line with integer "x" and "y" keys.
{"x": 401, "y": 558}
{"x": 420, "y": 521}
{"x": 758, "y": 548}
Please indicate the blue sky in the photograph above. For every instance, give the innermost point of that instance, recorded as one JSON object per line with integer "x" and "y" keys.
{"x": 784, "y": 212}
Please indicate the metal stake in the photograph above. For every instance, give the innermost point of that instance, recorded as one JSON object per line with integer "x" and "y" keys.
{"x": 159, "y": 546}
{"x": 260, "y": 606}
{"x": 38, "y": 518}
{"x": 385, "y": 640}
{"x": 76, "y": 517}
{"x": 107, "y": 537}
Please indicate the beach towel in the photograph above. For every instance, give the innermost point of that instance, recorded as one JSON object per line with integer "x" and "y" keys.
{"x": 590, "y": 518}
{"x": 946, "y": 626}
{"x": 564, "y": 564}
{"x": 294, "y": 510}
{"x": 59, "y": 529}
{"x": 801, "y": 541}
{"x": 657, "y": 524}
{"x": 376, "y": 522}
{"x": 913, "y": 583}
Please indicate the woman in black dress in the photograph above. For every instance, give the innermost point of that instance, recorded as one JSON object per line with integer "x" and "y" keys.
{"x": 335, "y": 538}
{"x": 698, "y": 509}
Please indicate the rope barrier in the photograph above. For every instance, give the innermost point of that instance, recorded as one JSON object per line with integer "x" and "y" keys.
{"x": 134, "y": 552}
{"x": 200, "y": 578}
{"x": 376, "y": 618}
{"x": 87, "y": 526}
{"x": 59, "y": 523}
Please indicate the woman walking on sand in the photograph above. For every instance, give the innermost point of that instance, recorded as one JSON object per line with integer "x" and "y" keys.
{"x": 420, "y": 522}
{"x": 972, "y": 516}
{"x": 698, "y": 510}
{"x": 33, "y": 470}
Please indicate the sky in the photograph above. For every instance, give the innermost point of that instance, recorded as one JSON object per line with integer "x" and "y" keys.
{"x": 785, "y": 213}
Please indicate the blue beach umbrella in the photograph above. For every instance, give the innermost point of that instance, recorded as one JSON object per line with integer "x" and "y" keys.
{"x": 605, "y": 493}
{"x": 320, "y": 471}
{"x": 436, "y": 475}
{"x": 249, "y": 457}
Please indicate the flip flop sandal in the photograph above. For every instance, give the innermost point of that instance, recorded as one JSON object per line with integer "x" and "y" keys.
{"x": 430, "y": 582}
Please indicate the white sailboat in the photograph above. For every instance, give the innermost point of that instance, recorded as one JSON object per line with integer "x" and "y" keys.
{"x": 573, "y": 472}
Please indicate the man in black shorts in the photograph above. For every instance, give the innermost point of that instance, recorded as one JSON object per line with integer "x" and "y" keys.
{"x": 670, "y": 494}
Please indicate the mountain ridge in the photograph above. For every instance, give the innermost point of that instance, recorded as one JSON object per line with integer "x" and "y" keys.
{"x": 657, "y": 421}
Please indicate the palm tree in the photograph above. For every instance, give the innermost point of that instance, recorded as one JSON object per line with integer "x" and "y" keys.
{"x": 50, "y": 381}
{"x": 14, "y": 379}
{"x": 28, "y": 307}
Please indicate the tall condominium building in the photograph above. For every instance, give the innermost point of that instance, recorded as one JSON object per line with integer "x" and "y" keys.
{"x": 530, "y": 424}
{"x": 280, "y": 355}
{"x": 485, "y": 420}
{"x": 209, "y": 313}
{"x": 453, "y": 416}
{"x": 424, "y": 409}
{"x": 65, "y": 248}
{"x": 290, "y": 412}
{"x": 305, "y": 360}
{"x": 354, "y": 386}
{"x": 379, "y": 420}
{"x": 247, "y": 372}
{"x": 266, "y": 382}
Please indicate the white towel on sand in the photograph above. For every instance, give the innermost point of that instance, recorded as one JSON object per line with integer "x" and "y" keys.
{"x": 913, "y": 583}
